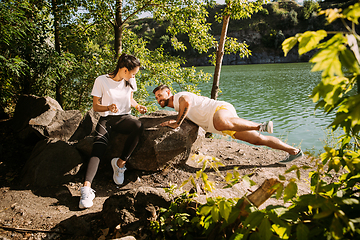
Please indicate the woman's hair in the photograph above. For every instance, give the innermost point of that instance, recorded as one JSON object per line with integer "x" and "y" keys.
{"x": 128, "y": 61}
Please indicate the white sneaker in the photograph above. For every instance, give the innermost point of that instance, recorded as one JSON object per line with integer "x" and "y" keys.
{"x": 118, "y": 172}
{"x": 87, "y": 197}
{"x": 266, "y": 127}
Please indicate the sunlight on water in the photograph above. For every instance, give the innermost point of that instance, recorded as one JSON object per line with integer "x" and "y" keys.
{"x": 277, "y": 92}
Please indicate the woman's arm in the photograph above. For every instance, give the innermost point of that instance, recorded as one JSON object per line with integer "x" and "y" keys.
{"x": 142, "y": 109}
{"x": 101, "y": 108}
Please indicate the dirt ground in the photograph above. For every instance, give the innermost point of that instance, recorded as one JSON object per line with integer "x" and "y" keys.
{"x": 38, "y": 213}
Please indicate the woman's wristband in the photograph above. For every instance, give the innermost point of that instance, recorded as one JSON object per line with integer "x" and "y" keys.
{"x": 136, "y": 107}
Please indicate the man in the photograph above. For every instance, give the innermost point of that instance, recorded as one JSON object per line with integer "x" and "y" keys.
{"x": 220, "y": 117}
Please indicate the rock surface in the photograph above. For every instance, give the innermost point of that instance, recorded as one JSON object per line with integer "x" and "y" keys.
{"x": 134, "y": 208}
{"x": 65, "y": 140}
{"x": 52, "y": 163}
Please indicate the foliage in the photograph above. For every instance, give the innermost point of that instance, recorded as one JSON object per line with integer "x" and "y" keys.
{"x": 29, "y": 63}
{"x": 330, "y": 211}
{"x": 22, "y": 49}
{"x": 310, "y": 6}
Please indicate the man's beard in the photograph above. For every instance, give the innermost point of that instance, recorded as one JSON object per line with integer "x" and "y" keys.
{"x": 166, "y": 102}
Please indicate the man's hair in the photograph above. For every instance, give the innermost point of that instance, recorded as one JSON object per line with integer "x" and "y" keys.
{"x": 161, "y": 87}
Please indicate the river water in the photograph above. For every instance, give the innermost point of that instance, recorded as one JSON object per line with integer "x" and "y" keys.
{"x": 277, "y": 92}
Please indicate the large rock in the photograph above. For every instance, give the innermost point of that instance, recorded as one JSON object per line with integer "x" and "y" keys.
{"x": 134, "y": 208}
{"x": 158, "y": 145}
{"x": 68, "y": 139}
{"x": 61, "y": 125}
{"x": 44, "y": 117}
{"x": 87, "y": 126}
{"x": 28, "y": 107}
{"x": 51, "y": 163}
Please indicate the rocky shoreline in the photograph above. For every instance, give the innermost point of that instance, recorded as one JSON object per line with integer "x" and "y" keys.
{"x": 50, "y": 211}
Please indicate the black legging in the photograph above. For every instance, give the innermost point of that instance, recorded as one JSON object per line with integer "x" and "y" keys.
{"x": 124, "y": 124}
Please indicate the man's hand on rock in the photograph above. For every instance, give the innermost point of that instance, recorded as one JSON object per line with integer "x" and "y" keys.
{"x": 170, "y": 123}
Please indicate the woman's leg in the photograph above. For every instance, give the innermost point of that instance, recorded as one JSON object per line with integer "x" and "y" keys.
{"x": 99, "y": 148}
{"x": 132, "y": 127}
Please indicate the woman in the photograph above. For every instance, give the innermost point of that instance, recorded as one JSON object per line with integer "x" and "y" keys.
{"x": 112, "y": 99}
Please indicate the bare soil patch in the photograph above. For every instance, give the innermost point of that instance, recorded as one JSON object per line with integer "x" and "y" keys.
{"x": 39, "y": 213}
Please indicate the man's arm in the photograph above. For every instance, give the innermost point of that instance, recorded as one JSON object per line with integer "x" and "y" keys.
{"x": 184, "y": 107}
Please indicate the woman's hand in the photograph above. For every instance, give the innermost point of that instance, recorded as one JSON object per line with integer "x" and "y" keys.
{"x": 170, "y": 123}
{"x": 142, "y": 109}
{"x": 113, "y": 108}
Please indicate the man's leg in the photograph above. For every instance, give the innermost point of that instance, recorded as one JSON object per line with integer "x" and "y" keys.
{"x": 255, "y": 138}
{"x": 225, "y": 120}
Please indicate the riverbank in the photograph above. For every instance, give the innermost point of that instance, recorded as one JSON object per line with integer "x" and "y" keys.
{"x": 53, "y": 213}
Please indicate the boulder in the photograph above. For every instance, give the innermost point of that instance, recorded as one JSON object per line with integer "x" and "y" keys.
{"x": 158, "y": 146}
{"x": 44, "y": 117}
{"x": 87, "y": 126}
{"x": 58, "y": 125}
{"x": 134, "y": 208}
{"x": 52, "y": 162}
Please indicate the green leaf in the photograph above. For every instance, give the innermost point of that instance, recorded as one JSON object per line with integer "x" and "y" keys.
{"x": 265, "y": 229}
{"x": 289, "y": 43}
{"x": 290, "y": 191}
{"x": 292, "y": 168}
{"x": 323, "y": 214}
{"x": 310, "y": 40}
{"x": 302, "y": 232}
{"x": 353, "y": 13}
{"x": 225, "y": 209}
{"x": 298, "y": 173}
{"x": 336, "y": 228}
{"x": 234, "y": 214}
{"x": 254, "y": 219}
{"x": 205, "y": 210}
{"x": 215, "y": 214}
{"x": 228, "y": 177}
{"x": 248, "y": 180}
{"x": 279, "y": 191}
{"x": 281, "y": 231}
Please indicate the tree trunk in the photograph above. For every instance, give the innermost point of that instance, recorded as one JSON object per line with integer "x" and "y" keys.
{"x": 264, "y": 192}
{"x": 59, "y": 96}
{"x": 219, "y": 57}
{"x": 118, "y": 29}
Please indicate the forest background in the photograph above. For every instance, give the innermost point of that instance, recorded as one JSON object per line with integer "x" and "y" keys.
{"x": 57, "y": 48}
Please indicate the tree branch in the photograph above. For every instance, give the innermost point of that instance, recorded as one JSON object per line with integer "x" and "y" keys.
{"x": 31, "y": 230}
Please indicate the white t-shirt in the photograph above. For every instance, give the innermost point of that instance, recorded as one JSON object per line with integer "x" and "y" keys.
{"x": 111, "y": 91}
{"x": 202, "y": 110}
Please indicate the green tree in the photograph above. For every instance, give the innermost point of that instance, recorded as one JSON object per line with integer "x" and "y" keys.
{"x": 23, "y": 49}
{"x": 235, "y": 9}
{"x": 330, "y": 211}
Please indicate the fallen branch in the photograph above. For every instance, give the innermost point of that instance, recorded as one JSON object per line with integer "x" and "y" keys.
{"x": 263, "y": 193}
{"x": 31, "y": 230}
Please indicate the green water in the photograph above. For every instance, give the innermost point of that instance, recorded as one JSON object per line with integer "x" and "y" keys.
{"x": 277, "y": 92}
